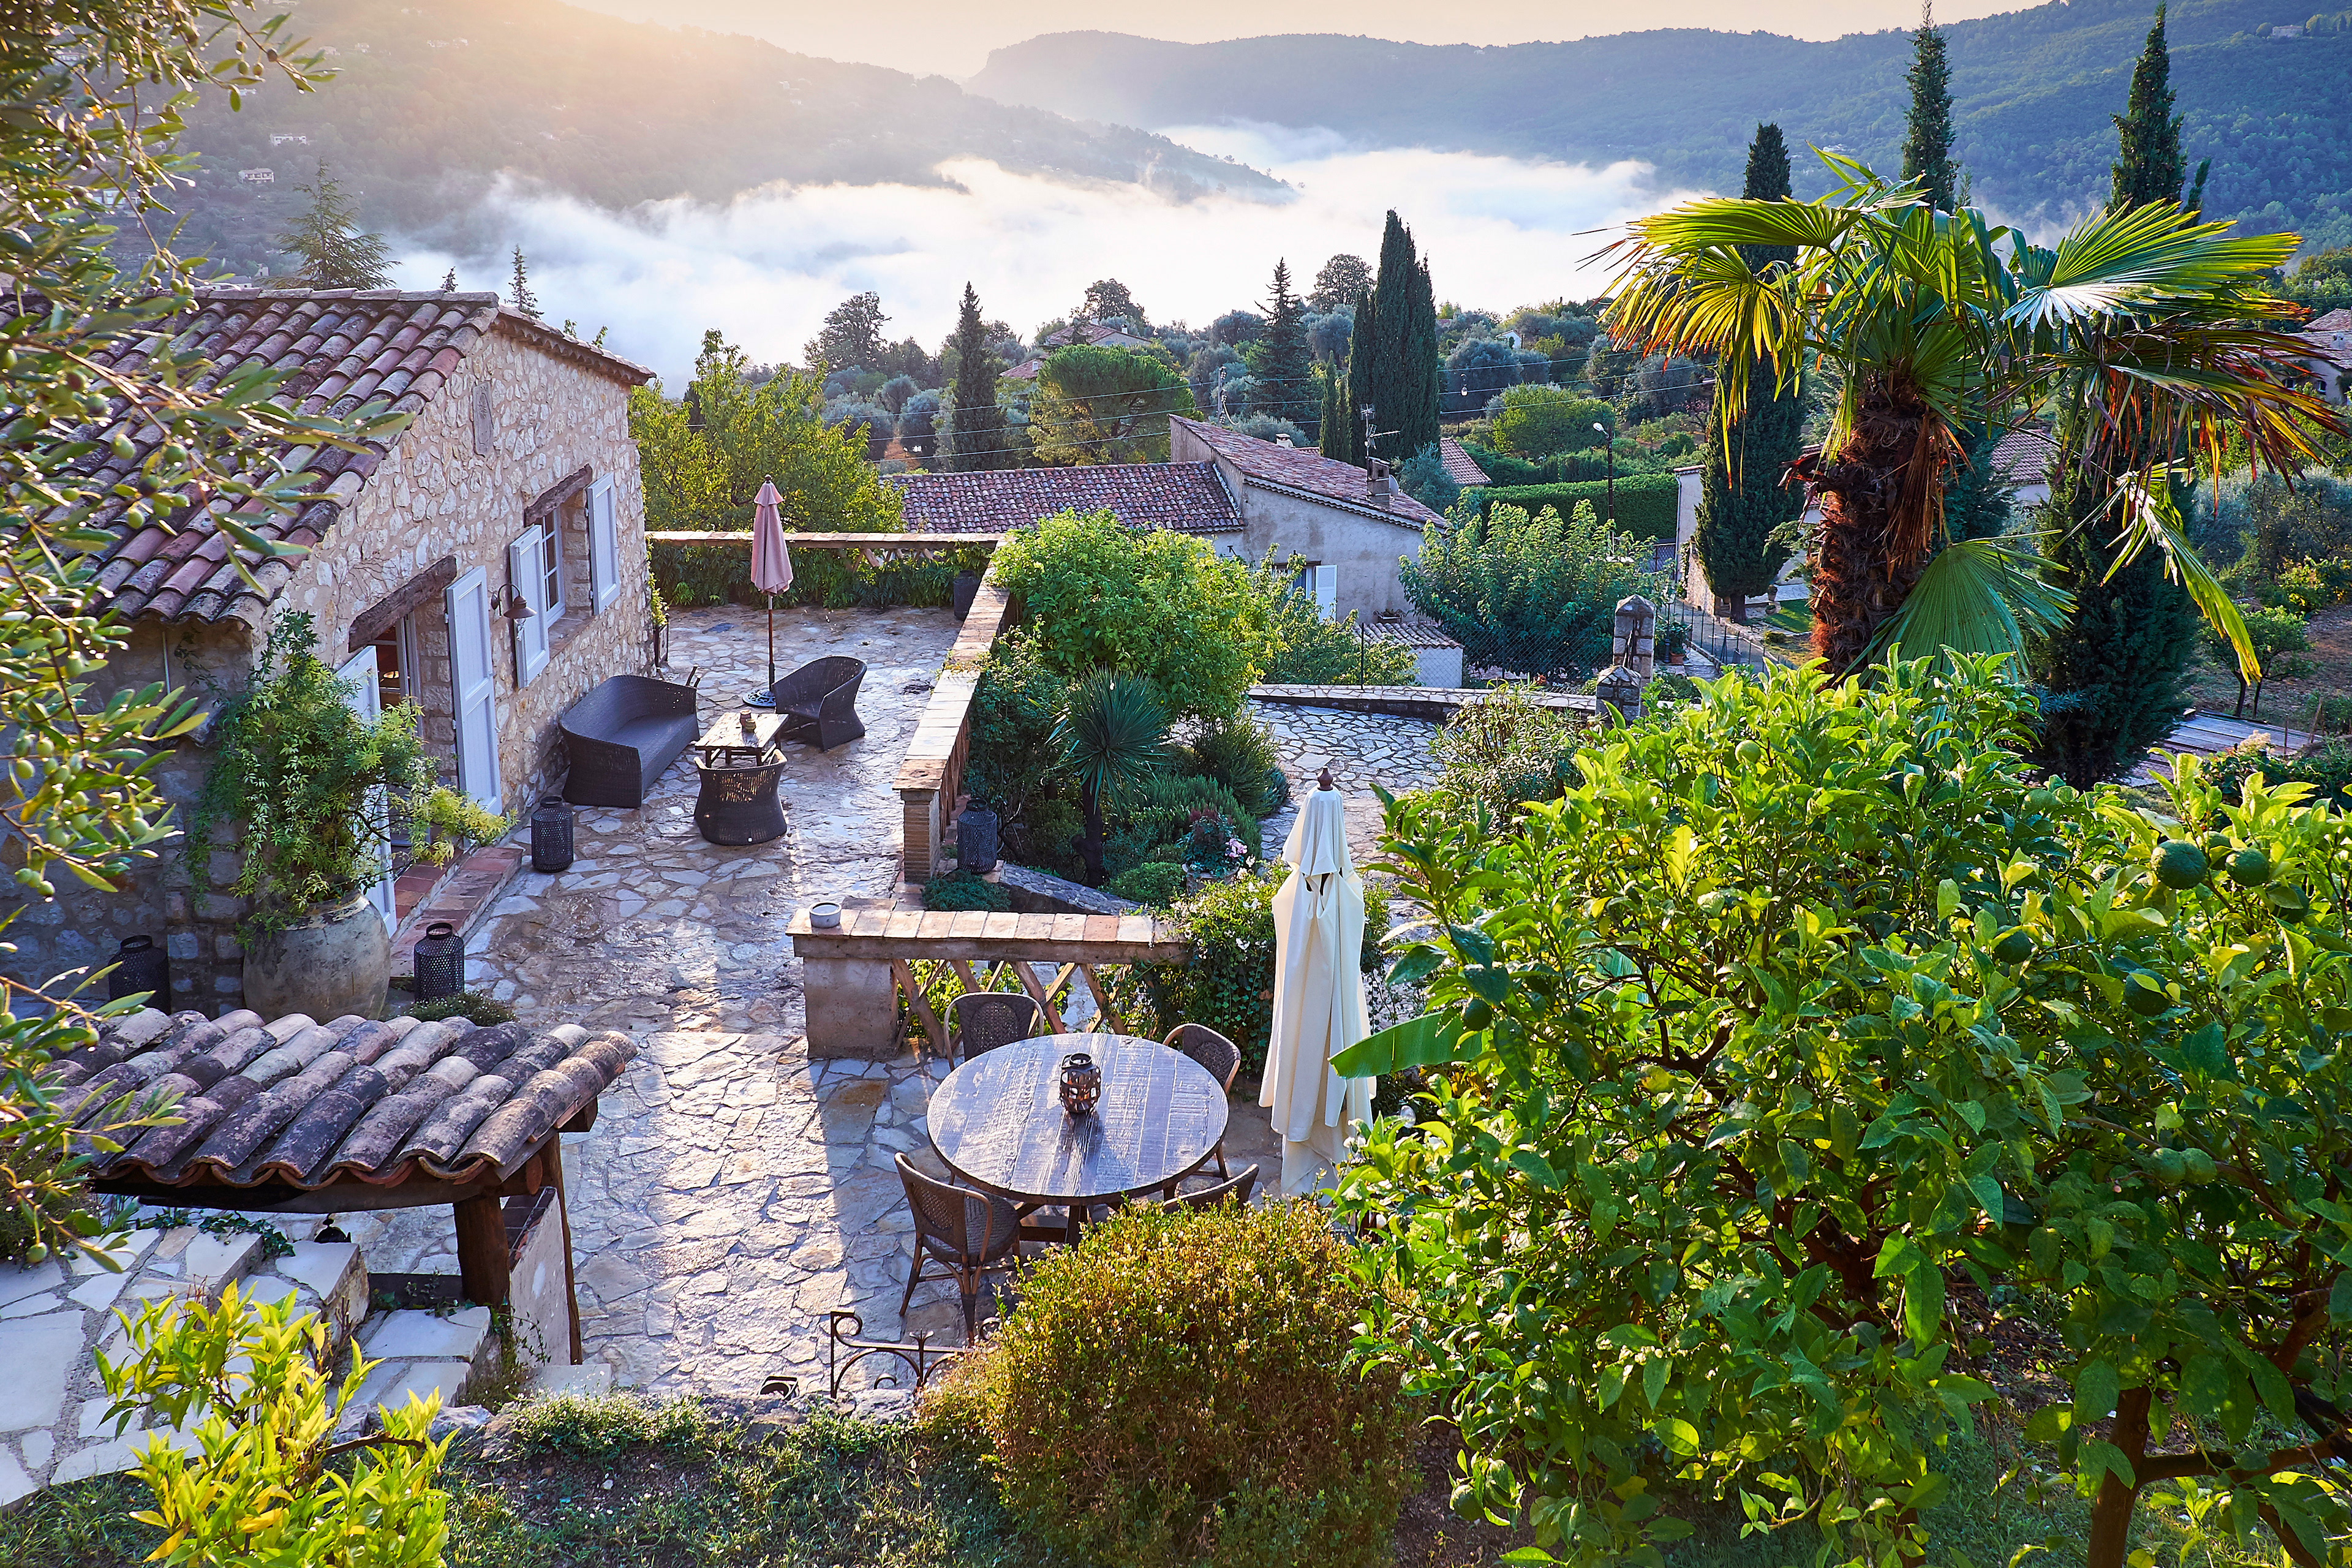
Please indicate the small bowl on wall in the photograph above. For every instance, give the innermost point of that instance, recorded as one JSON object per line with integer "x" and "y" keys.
{"x": 824, "y": 915}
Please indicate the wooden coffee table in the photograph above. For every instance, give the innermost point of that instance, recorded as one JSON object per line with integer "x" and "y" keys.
{"x": 724, "y": 744}
{"x": 998, "y": 1122}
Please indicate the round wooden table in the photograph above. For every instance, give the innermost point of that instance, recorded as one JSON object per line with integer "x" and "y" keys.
{"x": 998, "y": 1121}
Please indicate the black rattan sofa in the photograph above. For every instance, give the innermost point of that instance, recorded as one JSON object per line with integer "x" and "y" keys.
{"x": 819, "y": 702}
{"x": 623, "y": 735}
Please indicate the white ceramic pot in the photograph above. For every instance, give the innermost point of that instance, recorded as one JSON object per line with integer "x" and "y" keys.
{"x": 329, "y": 962}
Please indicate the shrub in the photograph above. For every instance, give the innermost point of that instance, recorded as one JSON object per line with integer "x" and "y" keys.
{"x": 1538, "y": 421}
{"x": 1228, "y": 984}
{"x": 244, "y": 1383}
{"x": 1530, "y": 594}
{"x": 962, "y": 890}
{"x": 1309, "y": 650}
{"x": 472, "y": 1005}
{"x": 1013, "y": 712}
{"x": 2327, "y": 768}
{"x": 597, "y": 1426}
{"x": 1805, "y": 1004}
{"x": 1507, "y": 750}
{"x": 1169, "y": 802}
{"x": 1237, "y": 753}
{"x": 1176, "y": 1389}
{"x": 1424, "y": 478}
{"x": 1151, "y": 882}
{"x": 1646, "y": 504}
{"x": 1149, "y": 602}
{"x": 721, "y": 573}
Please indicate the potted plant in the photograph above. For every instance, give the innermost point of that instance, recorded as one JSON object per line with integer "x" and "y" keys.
{"x": 318, "y": 793}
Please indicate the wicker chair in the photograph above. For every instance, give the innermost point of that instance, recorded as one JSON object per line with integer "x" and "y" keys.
{"x": 987, "y": 1019}
{"x": 971, "y": 1232}
{"x": 1219, "y": 1056}
{"x": 623, "y": 736}
{"x": 1237, "y": 1188}
{"x": 819, "y": 702}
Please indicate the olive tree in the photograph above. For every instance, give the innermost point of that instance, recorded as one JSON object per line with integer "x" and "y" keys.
{"x": 1803, "y": 1020}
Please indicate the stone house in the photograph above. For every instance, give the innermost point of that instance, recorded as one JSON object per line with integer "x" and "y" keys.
{"x": 1347, "y": 533}
{"x": 488, "y": 563}
{"x": 2329, "y": 360}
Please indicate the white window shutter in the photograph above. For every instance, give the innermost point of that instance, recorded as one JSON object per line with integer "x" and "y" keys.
{"x": 604, "y": 544}
{"x": 525, "y": 571}
{"x": 1327, "y": 591}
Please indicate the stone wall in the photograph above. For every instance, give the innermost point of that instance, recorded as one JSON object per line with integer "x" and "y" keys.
{"x": 433, "y": 497}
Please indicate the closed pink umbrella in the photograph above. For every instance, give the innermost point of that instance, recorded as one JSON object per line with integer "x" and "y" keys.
{"x": 771, "y": 572}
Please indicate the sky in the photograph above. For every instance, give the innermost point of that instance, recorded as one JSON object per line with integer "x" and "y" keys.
{"x": 952, "y": 37}
{"x": 1499, "y": 232}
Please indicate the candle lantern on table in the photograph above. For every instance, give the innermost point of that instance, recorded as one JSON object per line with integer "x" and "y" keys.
{"x": 1081, "y": 1083}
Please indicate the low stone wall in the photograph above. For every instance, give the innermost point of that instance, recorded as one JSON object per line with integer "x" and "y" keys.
{"x": 1043, "y": 893}
{"x": 930, "y": 779}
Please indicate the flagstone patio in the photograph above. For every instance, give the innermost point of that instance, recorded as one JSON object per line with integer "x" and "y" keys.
{"x": 734, "y": 1190}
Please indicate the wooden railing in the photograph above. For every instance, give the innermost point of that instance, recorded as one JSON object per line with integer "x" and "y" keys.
{"x": 871, "y": 959}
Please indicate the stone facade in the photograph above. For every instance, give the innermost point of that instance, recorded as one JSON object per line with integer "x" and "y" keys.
{"x": 519, "y": 414}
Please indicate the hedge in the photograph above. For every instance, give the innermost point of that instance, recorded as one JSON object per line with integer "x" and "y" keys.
{"x": 721, "y": 573}
{"x": 1646, "y": 504}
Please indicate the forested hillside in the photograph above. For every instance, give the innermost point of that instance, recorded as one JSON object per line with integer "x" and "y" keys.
{"x": 2034, "y": 89}
{"x": 435, "y": 99}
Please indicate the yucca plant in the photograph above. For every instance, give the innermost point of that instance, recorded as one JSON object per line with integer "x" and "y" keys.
{"x": 1112, "y": 735}
{"x": 2143, "y": 332}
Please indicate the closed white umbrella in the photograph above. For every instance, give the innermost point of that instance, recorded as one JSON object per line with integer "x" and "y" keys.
{"x": 1318, "y": 994}
{"x": 771, "y": 572}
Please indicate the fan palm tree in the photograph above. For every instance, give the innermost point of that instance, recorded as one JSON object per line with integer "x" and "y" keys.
{"x": 2142, "y": 333}
{"x": 1113, "y": 734}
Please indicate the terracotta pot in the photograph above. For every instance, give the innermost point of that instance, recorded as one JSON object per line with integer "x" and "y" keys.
{"x": 329, "y": 962}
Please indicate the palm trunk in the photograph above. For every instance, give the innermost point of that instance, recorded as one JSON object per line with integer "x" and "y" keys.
{"x": 1876, "y": 528}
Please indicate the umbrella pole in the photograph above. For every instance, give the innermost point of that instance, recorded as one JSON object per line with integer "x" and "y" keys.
{"x": 772, "y": 643}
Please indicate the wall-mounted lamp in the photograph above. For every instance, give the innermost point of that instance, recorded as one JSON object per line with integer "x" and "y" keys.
{"x": 513, "y": 605}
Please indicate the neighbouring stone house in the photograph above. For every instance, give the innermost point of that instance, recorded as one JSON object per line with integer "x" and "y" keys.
{"x": 2329, "y": 360}
{"x": 1093, "y": 334}
{"x": 514, "y": 488}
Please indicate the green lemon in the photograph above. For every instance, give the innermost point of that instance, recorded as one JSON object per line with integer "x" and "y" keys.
{"x": 2200, "y": 1164}
{"x": 2171, "y": 1167}
{"x": 1748, "y": 753}
{"x": 1478, "y": 1013}
{"x": 2249, "y": 868}
{"x": 2014, "y": 947}
{"x": 2143, "y": 994}
{"x": 2179, "y": 864}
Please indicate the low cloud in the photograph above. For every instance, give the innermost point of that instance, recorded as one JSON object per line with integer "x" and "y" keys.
{"x": 766, "y": 266}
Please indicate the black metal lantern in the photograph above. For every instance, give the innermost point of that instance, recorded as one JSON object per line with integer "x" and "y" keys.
{"x": 551, "y": 835}
{"x": 440, "y": 961}
{"x": 141, "y": 965}
{"x": 1081, "y": 1083}
{"x": 967, "y": 589}
{"x": 976, "y": 833}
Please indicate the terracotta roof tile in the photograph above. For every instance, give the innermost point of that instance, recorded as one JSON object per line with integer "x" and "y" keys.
{"x": 1188, "y": 497}
{"x": 2023, "y": 457}
{"x": 1302, "y": 471}
{"x": 307, "y": 1104}
{"x": 338, "y": 348}
{"x": 1460, "y": 466}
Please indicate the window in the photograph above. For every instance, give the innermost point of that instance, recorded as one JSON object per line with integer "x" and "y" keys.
{"x": 550, "y": 602}
{"x": 1320, "y": 583}
{"x": 604, "y": 544}
{"x": 528, "y": 574}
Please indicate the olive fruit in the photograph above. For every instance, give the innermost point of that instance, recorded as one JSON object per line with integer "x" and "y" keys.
{"x": 2179, "y": 864}
{"x": 2249, "y": 868}
{"x": 2144, "y": 994}
{"x": 2015, "y": 946}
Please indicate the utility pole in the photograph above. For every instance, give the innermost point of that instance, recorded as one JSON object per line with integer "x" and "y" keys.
{"x": 1612, "y": 446}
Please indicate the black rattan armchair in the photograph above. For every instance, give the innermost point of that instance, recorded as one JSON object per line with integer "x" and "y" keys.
{"x": 987, "y": 1019}
{"x": 623, "y": 736}
{"x": 1219, "y": 1056}
{"x": 1237, "y": 1188}
{"x": 971, "y": 1232}
{"x": 819, "y": 702}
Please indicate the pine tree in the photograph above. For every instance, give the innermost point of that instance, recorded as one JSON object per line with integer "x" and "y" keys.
{"x": 978, "y": 433}
{"x": 335, "y": 254}
{"x": 2148, "y": 165}
{"x": 1392, "y": 361}
{"x": 522, "y": 298}
{"x": 1284, "y": 357}
{"x": 1741, "y": 499}
{"x": 449, "y": 281}
{"x": 1927, "y": 137}
{"x": 2114, "y": 677}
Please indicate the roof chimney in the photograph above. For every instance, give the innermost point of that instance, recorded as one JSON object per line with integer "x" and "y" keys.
{"x": 1380, "y": 490}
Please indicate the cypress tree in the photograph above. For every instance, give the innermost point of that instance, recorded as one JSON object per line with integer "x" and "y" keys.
{"x": 523, "y": 298}
{"x": 2148, "y": 165}
{"x": 327, "y": 236}
{"x": 979, "y": 430}
{"x": 1336, "y": 436}
{"x": 1287, "y": 361}
{"x": 1927, "y": 134}
{"x": 2113, "y": 678}
{"x": 1392, "y": 358}
{"x": 1741, "y": 500}
{"x": 1358, "y": 389}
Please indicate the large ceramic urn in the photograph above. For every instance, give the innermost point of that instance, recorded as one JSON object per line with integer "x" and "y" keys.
{"x": 333, "y": 960}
